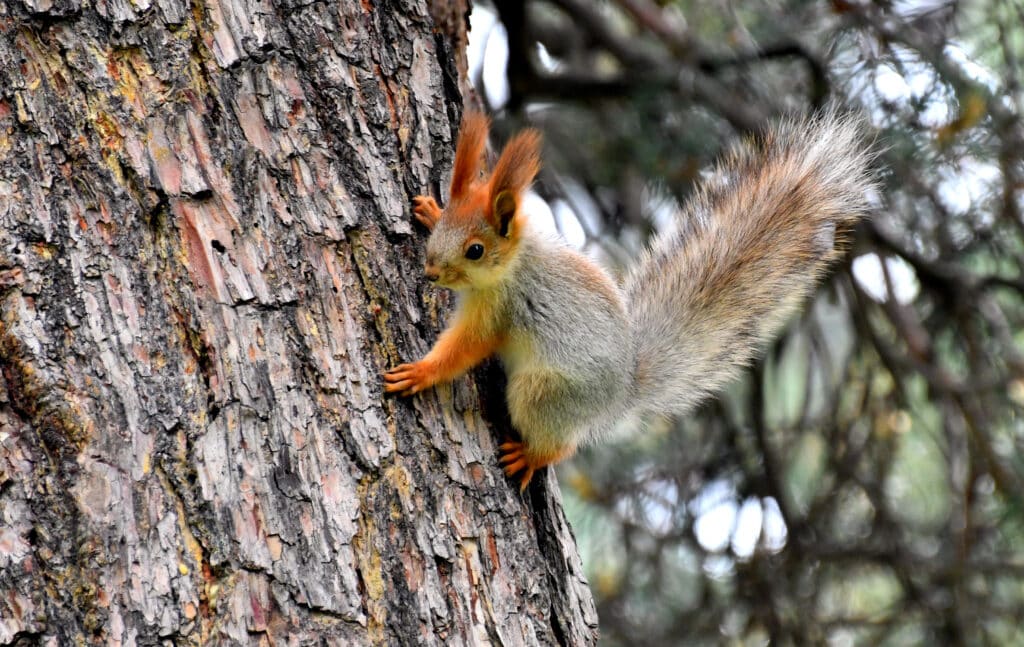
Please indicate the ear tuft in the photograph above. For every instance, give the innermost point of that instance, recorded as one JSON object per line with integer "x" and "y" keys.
{"x": 469, "y": 151}
{"x": 504, "y": 209}
{"x": 513, "y": 173}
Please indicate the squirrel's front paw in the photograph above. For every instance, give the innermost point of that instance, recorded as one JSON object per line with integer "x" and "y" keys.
{"x": 426, "y": 210}
{"x": 408, "y": 379}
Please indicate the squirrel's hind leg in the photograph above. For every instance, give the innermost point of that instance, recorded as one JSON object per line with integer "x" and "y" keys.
{"x": 536, "y": 404}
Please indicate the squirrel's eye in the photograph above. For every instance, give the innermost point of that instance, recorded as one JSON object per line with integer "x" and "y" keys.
{"x": 474, "y": 251}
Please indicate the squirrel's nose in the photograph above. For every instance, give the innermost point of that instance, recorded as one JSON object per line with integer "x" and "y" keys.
{"x": 432, "y": 273}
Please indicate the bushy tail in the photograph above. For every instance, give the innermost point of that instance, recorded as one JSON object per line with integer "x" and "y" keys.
{"x": 745, "y": 252}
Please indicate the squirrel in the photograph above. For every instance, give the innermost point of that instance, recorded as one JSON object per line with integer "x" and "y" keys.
{"x": 584, "y": 355}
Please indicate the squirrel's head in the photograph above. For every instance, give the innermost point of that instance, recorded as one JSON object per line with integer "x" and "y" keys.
{"x": 476, "y": 241}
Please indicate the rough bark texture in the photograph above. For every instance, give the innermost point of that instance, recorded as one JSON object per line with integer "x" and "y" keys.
{"x": 206, "y": 261}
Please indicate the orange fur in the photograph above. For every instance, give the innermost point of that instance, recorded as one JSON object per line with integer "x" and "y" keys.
{"x": 469, "y": 152}
{"x": 426, "y": 210}
{"x": 467, "y": 210}
{"x": 459, "y": 348}
{"x": 517, "y": 458}
{"x": 518, "y": 165}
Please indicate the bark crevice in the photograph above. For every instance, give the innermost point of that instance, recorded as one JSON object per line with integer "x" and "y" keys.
{"x": 206, "y": 261}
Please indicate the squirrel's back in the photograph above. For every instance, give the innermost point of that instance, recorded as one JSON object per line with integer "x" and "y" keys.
{"x": 746, "y": 250}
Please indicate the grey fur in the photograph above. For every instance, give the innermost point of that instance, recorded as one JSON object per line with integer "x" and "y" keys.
{"x": 586, "y": 386}
{"x": 759, "y": 236}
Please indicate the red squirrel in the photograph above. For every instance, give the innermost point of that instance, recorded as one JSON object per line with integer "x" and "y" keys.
{"x": 585, "y": 355}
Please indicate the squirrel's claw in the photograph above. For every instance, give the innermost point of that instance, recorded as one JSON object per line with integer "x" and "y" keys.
{"x": 426, "y": 211}
{"x": 515, "y": 460}
{"x": 406, "y": 379}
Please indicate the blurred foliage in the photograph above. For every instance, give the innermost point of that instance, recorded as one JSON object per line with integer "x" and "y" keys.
{"x": 863, "y": 484}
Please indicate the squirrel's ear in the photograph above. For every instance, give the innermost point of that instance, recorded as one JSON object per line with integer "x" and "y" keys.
{"x": 504, "y": 209}
{"x": 469, "y": 151}
{"x": 513, "y": 173}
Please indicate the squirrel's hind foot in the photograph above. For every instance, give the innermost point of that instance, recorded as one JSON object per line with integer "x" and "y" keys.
{"x": 516, "y": 457}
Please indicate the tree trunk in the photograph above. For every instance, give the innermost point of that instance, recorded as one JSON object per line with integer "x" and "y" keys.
{"x": 206, "y": 261}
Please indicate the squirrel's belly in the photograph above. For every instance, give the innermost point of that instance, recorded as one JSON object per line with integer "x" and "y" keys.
{"x": 554, "y": 405}
{"x": 518, "y": 354}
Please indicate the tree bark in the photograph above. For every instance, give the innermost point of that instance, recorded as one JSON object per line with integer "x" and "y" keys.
{"x": 206, "y": 262}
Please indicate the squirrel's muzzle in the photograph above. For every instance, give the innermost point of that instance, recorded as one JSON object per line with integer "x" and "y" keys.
{"x": 432, "y": 273}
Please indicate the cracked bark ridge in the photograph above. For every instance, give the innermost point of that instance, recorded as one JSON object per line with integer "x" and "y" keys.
{"x": 206, "y": 261}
